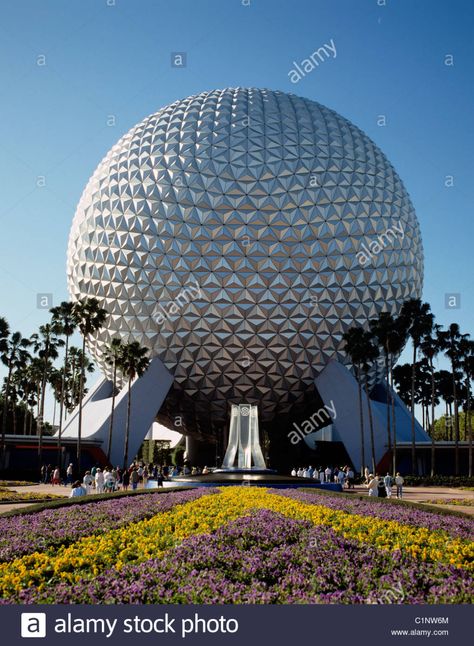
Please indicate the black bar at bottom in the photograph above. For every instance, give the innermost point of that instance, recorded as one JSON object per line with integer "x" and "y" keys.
{"x": 246, "y": 625}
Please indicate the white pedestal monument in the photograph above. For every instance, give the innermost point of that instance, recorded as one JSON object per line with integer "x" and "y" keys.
{"x": 243, "y": 449}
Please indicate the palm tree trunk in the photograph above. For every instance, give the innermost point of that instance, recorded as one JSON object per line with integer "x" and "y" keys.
{"x": 451, "y": 436}
{"x": 389, "y": 396}
{"x": 456, "y": 426}
{"x": 446, "y": 430}
{"x": 469, "y": 427}
{"x": 371, "y": 422}
{"x": 81, "y": 393}
{"x": 361, "y": 417}
{"x": 111, "y": 425}
{"x": 73, "y": 383}
{"x": 30, "y": 427}
{"x": 433, "y": 446}
{"x": 14, "y": 412}
{"x": 41, "y": 412}
{"x": 394, "y": 426}
{"x": 25, "y": 417}
{"x": 412, "y": 402}
{"x": 127, "y": 428}
{"x": 5, "y": 413}
{"x": 61, "y": 406}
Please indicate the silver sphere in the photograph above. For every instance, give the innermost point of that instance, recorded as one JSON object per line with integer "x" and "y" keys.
{"x": 227, "y": 233}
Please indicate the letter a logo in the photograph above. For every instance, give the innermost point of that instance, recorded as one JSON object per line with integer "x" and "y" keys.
{"x": 33, "y": 624}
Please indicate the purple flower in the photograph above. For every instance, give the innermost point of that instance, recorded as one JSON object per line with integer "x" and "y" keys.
{"x": 24, "y": 534}
{"x": 265, "y": 557}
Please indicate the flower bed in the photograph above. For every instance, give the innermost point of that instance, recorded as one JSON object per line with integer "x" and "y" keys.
{"x": 383, "y": 509}
{"x": 7, "y": 496}
{"x": 16, "y": 483}
{"x": 266, "y": 557}
{"x": 446, "y": 560}
{"x": 24, "y": 534}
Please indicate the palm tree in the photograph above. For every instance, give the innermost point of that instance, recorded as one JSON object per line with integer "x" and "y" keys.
{"x": 449, "y": 341}
{"x": 381, "y": 328}
{"x": 36, "y": 373}
{"x": 64, "y": 323}
{"x": 391, "y": 335}
{"x": 444, "y": 388}
{"x": 112, "y": 355}
{"x": 73, "y": 377}
{"x": 14, "y": 356}
{"x": 423, "y": 390}
{"x": 4, "y": 333}
{"x": 430, "y": 347}
{"x": 371, "y": 353}
{"x": 419, "y": 323}
{"x": 26, "y": 389}
{"x": 45, "y": 344}
{"x": 466, "y": 351}
{"x": 89, "y": 317}
{"x": 354, "y": 348}
{"x": 402, "y": 378}
{"x": 132, "y": 362}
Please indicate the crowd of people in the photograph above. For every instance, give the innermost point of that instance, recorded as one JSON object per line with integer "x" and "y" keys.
{"x": 377, "y": 486}
{"x": 106, "y": 480}
{"x": 382, "y": 487}
{"x": 342, "y": 475}
{"x": 109, "y": 479}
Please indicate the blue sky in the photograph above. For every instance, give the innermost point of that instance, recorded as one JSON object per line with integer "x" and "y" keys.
{"x": 106, "y": 59}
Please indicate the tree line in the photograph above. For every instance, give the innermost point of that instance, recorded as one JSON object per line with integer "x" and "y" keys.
{"x": 31, "y": 366}
{"x": 417, "y": 382}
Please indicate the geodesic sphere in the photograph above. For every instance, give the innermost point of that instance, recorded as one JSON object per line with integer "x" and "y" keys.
{"x": 238, "y": 234}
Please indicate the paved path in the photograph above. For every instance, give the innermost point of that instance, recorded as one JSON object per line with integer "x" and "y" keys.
{"x": 425, "y": 494}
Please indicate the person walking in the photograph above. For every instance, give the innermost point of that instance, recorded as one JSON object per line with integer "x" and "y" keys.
{"x": 350, "y": 478}
{"x": 373, "y": 485}
{"x": 399, "y": 481}
{"x": 341, "y": 476}
{"x": 382, "y": 490}
{"x": 99, "y": 481}
{"x": 125, "y": 479}
{"x": 327, "y": 474}
{"x": 69, "y": 474}
{"x": 109, "y": 481}
{"x": 48, "y": 474}
{"x": 87, "y": 482}
{"x": 56, "y": 480}
{"x": 388, "y": 485}
{"x": 134, "y": 478}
